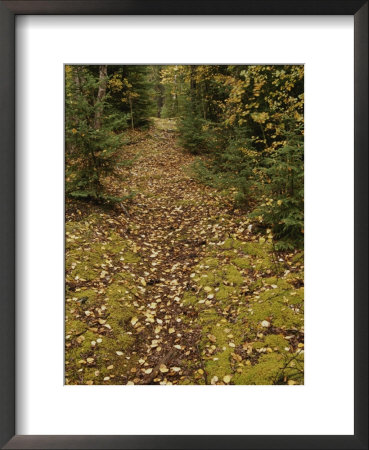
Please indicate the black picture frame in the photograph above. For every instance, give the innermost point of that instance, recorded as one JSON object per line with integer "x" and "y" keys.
{"x": 8, "y": 12}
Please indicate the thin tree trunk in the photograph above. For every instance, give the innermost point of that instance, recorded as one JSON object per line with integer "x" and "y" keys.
{"x": 103, "y": 76}
{"x": 193, "y": 89}
{"x": 130, "y": 107}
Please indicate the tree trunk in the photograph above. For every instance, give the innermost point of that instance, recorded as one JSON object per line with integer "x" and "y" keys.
{"x": 193, "y": 88}
{"x": 103, "y": 77}
{"x": 131, "y": 109}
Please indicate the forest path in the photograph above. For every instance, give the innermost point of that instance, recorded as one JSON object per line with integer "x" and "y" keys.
{"x": 169, "y": 294}
{"x": 172, "y": 221}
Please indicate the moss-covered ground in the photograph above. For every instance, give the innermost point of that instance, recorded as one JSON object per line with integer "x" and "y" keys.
{"x": 177, "y": 290}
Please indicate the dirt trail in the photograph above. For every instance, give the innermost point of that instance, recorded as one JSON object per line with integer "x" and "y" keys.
{"x": 172, "y": 222}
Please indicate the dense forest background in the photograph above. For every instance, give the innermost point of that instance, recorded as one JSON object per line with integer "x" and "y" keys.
{"x": 245, "y": 124}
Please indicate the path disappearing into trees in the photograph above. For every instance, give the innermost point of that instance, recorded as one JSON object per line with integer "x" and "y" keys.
{"x": 175, "y": 288}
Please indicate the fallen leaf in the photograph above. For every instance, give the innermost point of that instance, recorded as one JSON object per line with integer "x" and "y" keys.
{"x": 212, "y": 338}
{"x": 163, "y": 368}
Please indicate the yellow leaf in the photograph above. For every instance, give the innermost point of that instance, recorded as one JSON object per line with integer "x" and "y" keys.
{"x": 212, "y": 338}
{"x": 163, "y": 368}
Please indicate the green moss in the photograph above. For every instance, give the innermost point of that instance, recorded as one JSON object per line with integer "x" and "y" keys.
{"x": 276, "y": 342}
{"x": 276, "y": 310}
{"x": 211, "y": 262}
{"x": 225, "y": 292}
{"x": 209, "y": 316}
{"x": 118, "y": 300}
{"x": 268, "y": 370}
{"x": 228, "y": 273}
{"x": 256, "y": 284}
{"x": 230, "y": 243}
{"x": 218, "y": 361}
{"x": 77, "y": 233}
{"x": 119, "y": 306}
{"x": 285, "y": 296}
{"x": 298, "y": 258}
{"x": 296, "y": 297}
{"x": 295, "y": 277}
{"x": 81, "y": 348}
{"x": 120, "y": 249}
{"x": 84, "y": 271}
{"x": 89, "y": 295}
{"x": 275, "y": 299}
{"x": 74, "y": 327}
{"x": 189, "y": 299}
{"x": 281, "y": 283}
{"x": 267, "y": 264}
{"x": 256, "y": 249}
{"x": 259, "y": 253}
{"x": 258, "y": 345}
{"x": 88, "y": 263}
{"x": 131, "y": 257}
{"x": 209, "y": 278}
{"x": 230, "y": 253}
{"x": 221, "y": 366}
{"x": 242, "y": 263}
{"x": 232, "y": 275}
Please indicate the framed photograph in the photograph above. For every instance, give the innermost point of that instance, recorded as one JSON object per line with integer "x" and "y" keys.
{"x": 184, "y": 228}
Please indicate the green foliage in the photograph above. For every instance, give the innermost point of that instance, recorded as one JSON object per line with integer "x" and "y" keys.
{"x": 282, "y": 190}
{"x": 245, "y": 122}
{"x": 132, "y": 93}
{"x": 91, "y": 144}
{"x": 194, "y": 135}
{"x": 254, "y": 142}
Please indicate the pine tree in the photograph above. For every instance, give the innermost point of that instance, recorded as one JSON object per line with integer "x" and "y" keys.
{"x": 91, "y": 143}
{"x": 132, "y": 94}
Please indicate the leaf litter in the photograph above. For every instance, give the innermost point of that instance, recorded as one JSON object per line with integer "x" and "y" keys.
{"x": 181, "y": 291}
